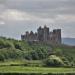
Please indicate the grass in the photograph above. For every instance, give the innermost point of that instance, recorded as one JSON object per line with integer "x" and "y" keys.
{"x": 37, "y": 63}
{"x": 17, "y": 67}
{"x": 43, "y": 70}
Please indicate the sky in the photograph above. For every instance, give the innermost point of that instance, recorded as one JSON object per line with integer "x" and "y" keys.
{"x": 18, "y": 16}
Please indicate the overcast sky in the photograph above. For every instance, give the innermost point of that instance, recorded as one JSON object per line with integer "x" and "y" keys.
{"x": 18, "y": 16}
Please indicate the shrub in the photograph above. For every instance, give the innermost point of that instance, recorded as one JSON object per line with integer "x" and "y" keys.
{"x": 54, "y": 61}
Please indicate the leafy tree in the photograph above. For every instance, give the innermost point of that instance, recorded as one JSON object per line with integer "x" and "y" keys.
{"x": 53, "y": 61}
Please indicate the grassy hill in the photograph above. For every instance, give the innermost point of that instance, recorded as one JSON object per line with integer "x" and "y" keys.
{"x": 36, "y": 54}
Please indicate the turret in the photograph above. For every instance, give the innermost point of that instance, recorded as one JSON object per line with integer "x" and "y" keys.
{"x": 46, "y": 33}
{"x": 40, "y": 33}
{"x": 57, "y": 34}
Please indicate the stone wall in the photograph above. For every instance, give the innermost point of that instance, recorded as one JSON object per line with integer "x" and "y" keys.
{"x": 43, "y": 35}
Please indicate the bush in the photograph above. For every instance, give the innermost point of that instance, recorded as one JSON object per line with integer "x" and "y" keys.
{"x": 5, "y": 44}
{"x": 17, "y": 45}
{"x": 54, "y": 61}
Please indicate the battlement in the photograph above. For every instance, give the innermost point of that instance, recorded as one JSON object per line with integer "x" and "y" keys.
{"x": 43, "y": 35}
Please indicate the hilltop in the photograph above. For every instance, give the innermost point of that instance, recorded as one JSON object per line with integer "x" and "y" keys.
{"x": 37, "y": 54}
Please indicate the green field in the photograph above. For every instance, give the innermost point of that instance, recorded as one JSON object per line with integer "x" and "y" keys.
{"x": 22, "y": 69}
{"x": 9, "y": 68}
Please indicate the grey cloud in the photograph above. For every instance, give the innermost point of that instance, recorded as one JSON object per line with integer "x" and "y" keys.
{"x": 2, "y": 1}
{"x": 41, "y": 9}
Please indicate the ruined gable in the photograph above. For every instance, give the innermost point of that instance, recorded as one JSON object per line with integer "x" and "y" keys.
{"x": 43, "y": 35}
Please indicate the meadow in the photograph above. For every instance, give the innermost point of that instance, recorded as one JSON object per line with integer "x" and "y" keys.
{"x": 35, "y": 70}
{"x": 25, "y": 67}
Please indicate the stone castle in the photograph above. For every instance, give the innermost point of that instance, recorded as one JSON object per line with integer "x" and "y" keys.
{"x": 43, "y": 35}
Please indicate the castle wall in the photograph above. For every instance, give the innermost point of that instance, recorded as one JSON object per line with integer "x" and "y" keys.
{"x": 40, "y": 32}
{"x": 46, "y": 34}
{"x": 57, "y": 34}
{"x": 43, "y": 35}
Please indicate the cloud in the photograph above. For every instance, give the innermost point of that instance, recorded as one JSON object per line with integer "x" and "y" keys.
{"x": 2, "y": 22}
{"x": 2, "y": 1}
{"x": 15, "y": 15}
{"x": 12, "y": 15}
{"x": 22, "y": 15}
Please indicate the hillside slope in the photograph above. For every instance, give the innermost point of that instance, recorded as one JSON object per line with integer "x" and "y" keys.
{"x": 11, "y": 49}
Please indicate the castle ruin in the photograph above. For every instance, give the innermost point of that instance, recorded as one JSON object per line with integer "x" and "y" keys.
{"x": 43, "y": 35}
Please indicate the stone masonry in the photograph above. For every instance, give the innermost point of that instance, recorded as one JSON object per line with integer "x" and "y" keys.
{"x": 43, "y": 35}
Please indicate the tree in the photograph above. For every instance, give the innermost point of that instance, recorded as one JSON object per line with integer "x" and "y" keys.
{"x": 54, "y": 61}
